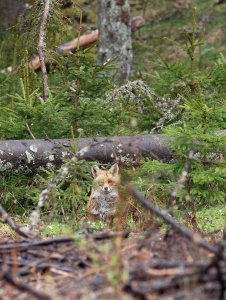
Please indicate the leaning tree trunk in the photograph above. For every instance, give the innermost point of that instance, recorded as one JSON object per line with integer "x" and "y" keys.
{"x": 115, "y": 35}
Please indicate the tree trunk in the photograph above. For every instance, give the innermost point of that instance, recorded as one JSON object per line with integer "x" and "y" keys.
{"x": 115, "y": 35}
{"x": 29, "y": 155}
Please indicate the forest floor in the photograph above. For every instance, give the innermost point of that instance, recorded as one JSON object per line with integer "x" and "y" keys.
{"x": 111, "y": 265}
{"x": 106, "y": 265}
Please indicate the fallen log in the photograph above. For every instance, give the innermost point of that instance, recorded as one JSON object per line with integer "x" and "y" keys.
{"x": 85, "y": 41}
{"x": 29, "y": 155}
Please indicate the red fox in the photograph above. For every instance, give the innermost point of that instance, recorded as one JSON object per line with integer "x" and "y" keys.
{"x": 105, "y": 197}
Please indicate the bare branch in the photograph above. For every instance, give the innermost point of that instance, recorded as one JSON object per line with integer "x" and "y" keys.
{"x": 17, "y": 283}
{"x": 5, "y": 218}
{"x": 182, "y": 179}
{"x": 35, "y": 215}
{"x": 63, "y": 172}
{"x": 194, "y": 237}
{"x": 41, "y": 49}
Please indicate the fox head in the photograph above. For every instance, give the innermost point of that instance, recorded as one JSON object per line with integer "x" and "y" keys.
{"x": 105, "y": 180}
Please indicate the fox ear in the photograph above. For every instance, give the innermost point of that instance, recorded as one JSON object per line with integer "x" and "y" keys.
{"x": 95, "y": 170}
{"x": 114, "y": 170}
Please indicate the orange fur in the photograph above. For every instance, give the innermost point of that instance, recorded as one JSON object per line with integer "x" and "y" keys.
{"x": 105, "y": 201}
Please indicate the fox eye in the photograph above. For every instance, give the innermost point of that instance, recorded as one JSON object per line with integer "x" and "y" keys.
{"x": 110, "y": 181}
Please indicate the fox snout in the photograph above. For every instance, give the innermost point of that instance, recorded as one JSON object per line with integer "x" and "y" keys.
{"x": 106, "y": 189}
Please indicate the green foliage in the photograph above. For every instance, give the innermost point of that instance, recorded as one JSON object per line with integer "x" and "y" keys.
{"x": 211, "y": 219}
{"x": 79, "y": 98}
{"x": 68, "y": 108}
{"x": 78, "y": 105}
{"x": 203, "y": 112}
{"x": 14, "y": 190}
{"x": 57, "y": 228}
{"x": 85, "y": 101}
{"x": 67, "y": 200}
{"x": 25, "y": 34}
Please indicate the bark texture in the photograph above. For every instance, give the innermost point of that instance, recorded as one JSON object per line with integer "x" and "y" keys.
{"x": 115, "y": 35}
{"x": 29, "y": 155}
{"x": 86, "y": 40}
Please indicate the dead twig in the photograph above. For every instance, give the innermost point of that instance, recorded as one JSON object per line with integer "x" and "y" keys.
{"x": 6, "y": 219}
{"x": 29, "y": 130}
{"x": 192, "y": 236}
{"x": 17, "y": 283}
{"x": 41, "y": 49}
{"x": 180, "y": 183}
{"x": 26, "y": 245}
{"x": 170, "y": 272}
{"x": 182, "y": 178}
{"x": 107, "y": 235}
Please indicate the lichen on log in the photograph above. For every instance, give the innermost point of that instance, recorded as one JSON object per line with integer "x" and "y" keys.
{"x": 29, "y": 155}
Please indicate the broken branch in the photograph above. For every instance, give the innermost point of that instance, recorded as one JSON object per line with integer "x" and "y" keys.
{"x": 192, "y": 236}
{"x": 41, "y": 48}
{"x": 5, "y": 218}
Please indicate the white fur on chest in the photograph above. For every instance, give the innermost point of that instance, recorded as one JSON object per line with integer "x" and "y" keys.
{"x": 104, "y": 203}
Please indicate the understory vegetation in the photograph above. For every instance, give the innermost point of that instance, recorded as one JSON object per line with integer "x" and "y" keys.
{"x": 178, "y": 89}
